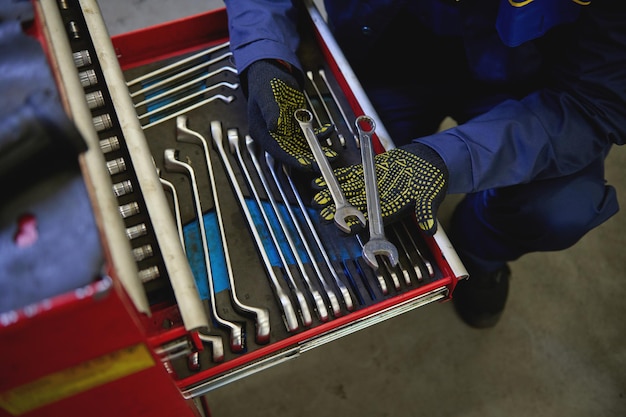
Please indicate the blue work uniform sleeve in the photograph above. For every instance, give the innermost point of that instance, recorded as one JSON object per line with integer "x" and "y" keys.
{"x": 262, "y": 29}
{"x": 554, "y": 131}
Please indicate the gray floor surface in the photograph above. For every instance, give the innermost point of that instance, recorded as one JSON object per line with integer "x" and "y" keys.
{"x": 559, "y": 350}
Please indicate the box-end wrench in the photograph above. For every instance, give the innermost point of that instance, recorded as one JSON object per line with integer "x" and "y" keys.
{"x": 347, "y": 298}
{"x": 289, "y": 314}
{"x": 237, "y": 335}
{"x": 261, "y": 315}
{"x": 332, "y": 298}
{"x": 344, "y": 211}
{"x": 305, "y": 312}
{"x": 377, "y": 243}
{"x": 318, "y": 300}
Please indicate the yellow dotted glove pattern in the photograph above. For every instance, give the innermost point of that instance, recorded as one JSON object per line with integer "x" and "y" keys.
{"x": 287, "y": 133}
{"x": 404, "y": 180}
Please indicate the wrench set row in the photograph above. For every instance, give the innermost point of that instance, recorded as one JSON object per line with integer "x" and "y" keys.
{"x": 218, "y": 178}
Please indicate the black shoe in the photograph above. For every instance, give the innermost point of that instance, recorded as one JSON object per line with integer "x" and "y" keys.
{"x": 480, "y": 300}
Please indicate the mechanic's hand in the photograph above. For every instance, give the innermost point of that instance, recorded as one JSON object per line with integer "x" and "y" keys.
{"x": 413, "y": 176}
{"x": 273, "y": 97}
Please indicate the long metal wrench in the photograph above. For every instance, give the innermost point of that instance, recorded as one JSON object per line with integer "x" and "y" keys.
{"x": 347, "y": 298}
{"x": 181, "y": 87}
{"x": 233, "y": 140}
{"x": 342, "y": 140}
{"x": 179, "y": 75}
{"x": 429, "y": 266}
{"x": 289, "y": 314}
{"x": 409, "y": 254}
{"x": 344, "y": 211}
{"x": 167, "y": 185}
{"x": 377, "y": 243}
{"x": 334, "y": 303}
{"x": 226, "y": 99}
{"x": 329, "y": 142}
{"x": 185, "y": 134}
{"x": 343, "y": 114}
{"x": 379, "y": 275}
{"x": 176, "y": 64}
{"x": 159, "y": 109}
{"x": 320, "y": 305}
{"x": 236, "y": 330}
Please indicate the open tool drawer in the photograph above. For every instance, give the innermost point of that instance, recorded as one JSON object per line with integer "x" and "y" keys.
{"x": 168, "y": 118}
{"x": 353, "y": 295}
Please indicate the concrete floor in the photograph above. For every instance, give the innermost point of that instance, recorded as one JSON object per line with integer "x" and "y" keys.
{"x": 559, "y": 350}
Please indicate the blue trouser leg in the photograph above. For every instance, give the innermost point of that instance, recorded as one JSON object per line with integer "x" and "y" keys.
{"x": 492, "y": 227}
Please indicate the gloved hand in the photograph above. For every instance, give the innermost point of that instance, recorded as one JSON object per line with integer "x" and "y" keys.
{"x": 273, "y": 96}
{"x": 413, "y": 176}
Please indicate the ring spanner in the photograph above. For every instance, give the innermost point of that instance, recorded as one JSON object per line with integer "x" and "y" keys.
{"x": 378, "y": 243}
{"x": 344, "y": 210}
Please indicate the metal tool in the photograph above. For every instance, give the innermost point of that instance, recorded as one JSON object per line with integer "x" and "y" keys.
{"x": 427, "y": 264}
{"x": 262, "y": 319}
{"x": 334, "y": 303}
{"x": 379, "y": 276}
{"x": 342, "y": 140}
{"x": 190, "y": 83}
{"x": 176, "y": 103}
{"x": 318, "y": 300}
{"x": 329, "y": 142}
{"x": 343, "y": 114}
{"x": 307, "y": 319}
{"x": 377, "y": 243}
{"x": 289, "y": 315}
{"x": 226, "y": 99}
{"x": 176, "y": 64}
{"x": 344, "y": 211}
{"x": 236, "y": 329}
{"x": 178, "y": 75}
{"x": 347, "y": 298}
{"x": 409, "y": 254}
{"x": 179, "y": 224}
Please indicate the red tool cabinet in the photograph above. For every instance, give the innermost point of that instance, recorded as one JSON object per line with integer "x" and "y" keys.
{"x": 123, "y": 345}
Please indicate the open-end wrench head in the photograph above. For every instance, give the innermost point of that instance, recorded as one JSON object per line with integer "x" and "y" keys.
{"x": 343, "y": 214}
{"x": 381, "y": 247}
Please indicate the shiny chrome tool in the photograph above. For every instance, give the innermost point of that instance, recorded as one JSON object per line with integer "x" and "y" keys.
{"x": 343, "y": 114}
{"x": 318, "y": 300}
{"x": 236, "y": 330}
{"x": 377, "y": 243}
{"x": 342, "y": 140}
{"x": 262, "y": 323}
{"x": 307, "y": 319}
{"x": 334, "y": 303}
{"x": 347, "y": 298}
{"x": 344, "y": 211}
{"x": 289, "y": 314}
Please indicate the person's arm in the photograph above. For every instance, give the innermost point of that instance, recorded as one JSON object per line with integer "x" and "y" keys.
{"x": 262, "y": 29}
{"x": 554, "y": 131}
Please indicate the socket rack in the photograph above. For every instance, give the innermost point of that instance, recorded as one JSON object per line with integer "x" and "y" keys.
{"x": 272, "y": 279}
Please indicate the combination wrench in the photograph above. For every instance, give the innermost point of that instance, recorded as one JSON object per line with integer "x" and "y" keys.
{"x": 334, "y": 303}
{"x": 185, "y": 134}
{"x": 377, "y": 243}
{"x": 307, "y": 319}
{"x": 237, "y": 336}
{"x": 347, "y": 298}
{"x": 289, "y": 315}
{"x": 318, "y": 300}
{"x": 344, "y": 211}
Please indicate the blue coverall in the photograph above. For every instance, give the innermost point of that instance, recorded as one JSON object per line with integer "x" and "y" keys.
{"x": 538, "y": 89}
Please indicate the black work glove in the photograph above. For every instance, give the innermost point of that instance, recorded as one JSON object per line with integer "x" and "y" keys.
{"x": 413, "y": 176}
{"x": 273, "y": 96}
